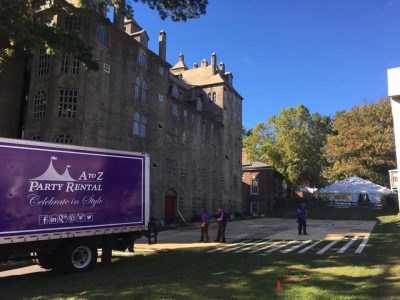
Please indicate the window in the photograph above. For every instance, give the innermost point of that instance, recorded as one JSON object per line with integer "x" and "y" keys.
{"x": 137, "y": 88}
{"x": 199, "y": 105}
{"x": 101, "y": 35}
{"x": 65, "y": 63}
{"x": 193, "y": 118}
{"x": 185, "y": 113}
{"x": 67, "y": 104}
{"x": 174, "y": 109}
{"x": 254, "y": 187}
{"x": 204, "y": 177}
{"x": 213, "y": 150}
{"x": 172, "y": 142}
{"x": 143, "y": 127}
{"x": 72, "y": 23}
{"x": 161, "y": 70}
{"x": 214, "y": 177}
{"x": 139, "y": 125}
{"x": 254, "y": 207}
{"x": 39, "y": 109}
{"x": 107, "y": 68}
{"x": 36, "y": 138}
{"x": 209, "y": 96}
{"x": 142, "y": 58}
{"x": 160, "y": 98}
{"x": 75, "y": 66}
{"x": 214, "y": 97}
{"x": 171, "y": 167}
{"x": 144, "y": 91}
{"x": 175, "y": 92}
{"x": 183, "y": 172}
{"x": 44, "y": 62}
{"x": 64, "y": 139}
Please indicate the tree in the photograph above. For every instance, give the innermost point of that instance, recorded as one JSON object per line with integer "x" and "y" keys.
{"x": 23, "y": 25}
{"x": 178, "y": 10}
{"x": 245, "y": 132}
{"x": 292, "y": 143}
{"x": 362, "y": 143}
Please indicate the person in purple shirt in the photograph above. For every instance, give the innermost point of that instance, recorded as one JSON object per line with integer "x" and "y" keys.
{"x": 221, "y": 219}
{"x": 301, "y": 214}
{"x": 205, "y": 221}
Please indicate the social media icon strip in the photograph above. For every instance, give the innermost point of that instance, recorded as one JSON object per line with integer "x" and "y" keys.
{"x": 65, "y": 218}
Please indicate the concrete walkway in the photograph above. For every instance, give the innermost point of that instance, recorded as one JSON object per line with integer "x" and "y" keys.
{"x": 264, "y": 228}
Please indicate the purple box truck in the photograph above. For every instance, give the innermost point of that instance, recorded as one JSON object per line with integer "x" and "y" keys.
{"x": 64, "y": 202}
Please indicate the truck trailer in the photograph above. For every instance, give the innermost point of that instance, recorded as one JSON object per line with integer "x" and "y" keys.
{"x": 61, "y": 203}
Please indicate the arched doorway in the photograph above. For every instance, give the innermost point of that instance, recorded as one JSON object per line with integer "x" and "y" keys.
{"x": 170, "y": 207}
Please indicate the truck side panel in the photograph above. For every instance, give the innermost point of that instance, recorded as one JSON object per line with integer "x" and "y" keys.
{"x": 53, "y": 192}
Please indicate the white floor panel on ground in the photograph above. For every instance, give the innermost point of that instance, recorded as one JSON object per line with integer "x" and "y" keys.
{"x": 288, "y": 246}
{"x": 253, "y": 245}
{"x": 281, "y": 246}
{"x": 347, "y": 246}
{"x": 327, "y": 247}
{"x": 296, "y": 246}
{"x": 362, "y": 245}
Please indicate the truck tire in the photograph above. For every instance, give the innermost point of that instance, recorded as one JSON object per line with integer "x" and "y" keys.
{"x": 76, "y": 257}
{"x": 46, "y": 261}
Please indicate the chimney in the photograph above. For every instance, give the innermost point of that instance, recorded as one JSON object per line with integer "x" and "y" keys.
{"x": 162, "y": 45}
{"x": 222, "y": 67}
{"x": 119, "y": 16}
{"x": 213, "y": 63}
{"x": 204, "y": 63}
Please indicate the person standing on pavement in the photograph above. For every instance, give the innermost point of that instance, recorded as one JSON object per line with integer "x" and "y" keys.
{"x": 205, "y": 221}
{"x": 301, "y": 214}
{"x": 221, "y": 219}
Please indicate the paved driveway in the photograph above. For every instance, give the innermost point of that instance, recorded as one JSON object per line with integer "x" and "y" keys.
{"x": 264, "y": 228}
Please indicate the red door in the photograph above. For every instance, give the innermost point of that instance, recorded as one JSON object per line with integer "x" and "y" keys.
{"x": 170, "y": 208}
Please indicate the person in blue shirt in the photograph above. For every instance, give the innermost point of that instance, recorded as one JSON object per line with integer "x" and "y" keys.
{"x": 301, "y": 214}
{"x": 221, "y": 219}
{"x": 205, "y": 221}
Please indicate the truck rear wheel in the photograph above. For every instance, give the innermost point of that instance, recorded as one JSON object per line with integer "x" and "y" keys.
{"x": 45, "y": 260}
{"x": 76, "y": 257}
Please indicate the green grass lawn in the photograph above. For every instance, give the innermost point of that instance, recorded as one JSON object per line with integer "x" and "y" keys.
{"x": 374, "y": 274}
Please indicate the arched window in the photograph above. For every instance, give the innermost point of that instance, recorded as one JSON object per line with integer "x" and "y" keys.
{"x": 214, "y": 97}
{"x": 39, "y": 108}
{"x": 64, "y": 139}
{"x": 144, "y": 91}
{"x": 137, "y": 88}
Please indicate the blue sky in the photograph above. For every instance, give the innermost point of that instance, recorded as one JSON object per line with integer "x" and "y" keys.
{"x": 329, "y": 55}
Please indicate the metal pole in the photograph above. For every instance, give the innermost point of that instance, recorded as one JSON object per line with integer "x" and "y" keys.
{"x": 394, "y": 94}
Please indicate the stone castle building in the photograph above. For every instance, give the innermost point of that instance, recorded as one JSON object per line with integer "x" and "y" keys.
{"x": 187, "y": 120}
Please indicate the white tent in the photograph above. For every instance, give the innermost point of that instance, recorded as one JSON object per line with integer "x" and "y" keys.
{"x": 354, "y": 186}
